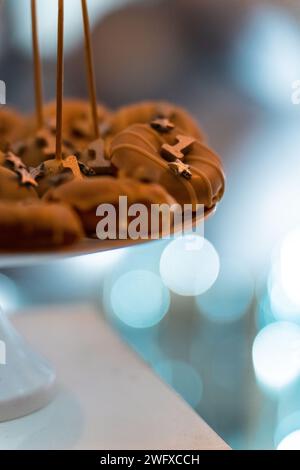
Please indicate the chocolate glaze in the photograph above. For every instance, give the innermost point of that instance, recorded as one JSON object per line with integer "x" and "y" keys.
{"x": 11, "y": 188}
{"x": 37, "y": 225}
{"x": 135, "y": 145}
{"x": 140, "y": 146}
{"x": 147, "y": 111}
{"x": 86, "y": 195}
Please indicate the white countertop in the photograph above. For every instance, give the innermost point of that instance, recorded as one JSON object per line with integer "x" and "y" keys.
{"x": 108, "y": 398}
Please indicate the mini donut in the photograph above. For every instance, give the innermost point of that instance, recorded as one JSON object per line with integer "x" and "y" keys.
{"x": 39, "y": 147}
{"x": 84, "y": 196}
{"x": 77, "y": 121}
{"x": 147, "y": 111}
{"x": 12, "y": 127}
{"x": 11, "y": 188}
{"x": 37, "y": 226}
{"x": 140, "y": 146}
{"x": 52, "y": 173}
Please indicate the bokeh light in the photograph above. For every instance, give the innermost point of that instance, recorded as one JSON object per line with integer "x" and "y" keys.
{"x": 287, "y": 425}
{"x": 189, "y": 265}
{"x": 276, "y": 354}
{"x": 139, "y": 299}
{"x": 290, "y": 442}
{"x": 183, "y": 378}
{"x": 231, "y": 295}
{"x": 9, "y": 294}
{"x": 290, "y": 265}
{"x": 48, "y": 22}
{"x": 261, "y": 226}
{"x": 288, "y": 412}
{"x": 283, "y": 308}
{"x": 266, "y": 59}
{"x": 282, "y": 292}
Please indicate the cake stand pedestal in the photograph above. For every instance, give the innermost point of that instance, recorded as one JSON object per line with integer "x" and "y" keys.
{"x": 27, "y": 382}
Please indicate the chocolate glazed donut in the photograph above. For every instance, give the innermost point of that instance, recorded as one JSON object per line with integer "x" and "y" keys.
{"x": 77, "y": 122}
{"x": 85, "y": 195}
{"x": 140, "y": 149}
{"x": 35, "y": 225}
{"x": 11, "y": 188}
{"x": 146, "y": 111}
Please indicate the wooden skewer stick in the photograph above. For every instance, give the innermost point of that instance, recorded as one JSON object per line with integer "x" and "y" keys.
{"x": 90, "y": 68}
{"x": 60, "y": 80}
{"x": 37, "y": 67}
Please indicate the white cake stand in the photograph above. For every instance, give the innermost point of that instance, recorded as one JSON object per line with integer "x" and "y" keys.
{"x": 27, "y": 381}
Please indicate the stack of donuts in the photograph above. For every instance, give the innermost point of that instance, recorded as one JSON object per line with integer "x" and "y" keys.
{"x": 151, "y": 152}
{"x": 59, "y": 165}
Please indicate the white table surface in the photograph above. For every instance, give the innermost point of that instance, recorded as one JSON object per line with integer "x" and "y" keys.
{"x": 108, "y": 398}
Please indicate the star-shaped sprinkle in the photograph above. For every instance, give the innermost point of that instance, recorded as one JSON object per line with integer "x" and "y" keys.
{"x": 86, "y": 170}
{"x": 18, "y": 167}
{"x": 180, "y": 169}
{"x": 71, "y": 163}
{"x": 162, "y": 125}
{"x": 26, "y": 177}
{"x": 37, "y": 172}
{"x": 14, "y": 161}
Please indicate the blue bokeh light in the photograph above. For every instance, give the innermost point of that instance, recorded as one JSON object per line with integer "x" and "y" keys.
{"x": 283, "y": 308}
{"x": 189, "y": 265}
{"x": 283, "y": 280}
{"x": 288, "y": 414}
{"x": 139, "y": 299}
{"x": 290, "y": 442}
{"x": 47, "y": 16}
{"x": 266, "y": 60}
{"x": 276, "y": 355}
{"x": 290, "y": 266}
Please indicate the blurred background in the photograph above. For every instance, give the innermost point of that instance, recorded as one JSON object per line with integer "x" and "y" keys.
{"x": 231, "y": 349}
